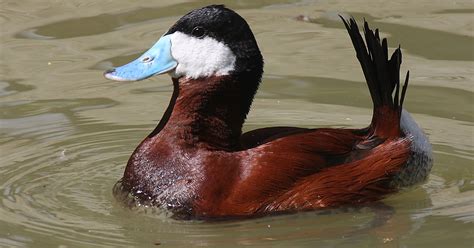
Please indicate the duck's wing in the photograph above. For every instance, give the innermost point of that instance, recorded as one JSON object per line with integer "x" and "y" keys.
{"x": 315, "y": 169}
{"x": 355, "y": 182}
{"x": 311, "y": 149}
{"x": 275, "y": 166}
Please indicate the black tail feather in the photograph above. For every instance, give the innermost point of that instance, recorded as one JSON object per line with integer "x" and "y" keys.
{"x": 404, "y": 90}
{"x": 382, "y": 74}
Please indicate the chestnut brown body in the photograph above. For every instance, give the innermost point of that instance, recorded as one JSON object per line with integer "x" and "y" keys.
{"x": 198, "y": 164}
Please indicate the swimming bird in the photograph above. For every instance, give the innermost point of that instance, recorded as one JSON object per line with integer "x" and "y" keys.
{"x": 197, "y": 163}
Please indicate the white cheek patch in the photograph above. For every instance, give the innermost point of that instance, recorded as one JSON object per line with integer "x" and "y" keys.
{"x": 200, "y": 57}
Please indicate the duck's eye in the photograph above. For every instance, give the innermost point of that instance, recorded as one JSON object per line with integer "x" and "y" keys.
{"x": 147, "y": 59}
{"x": 198, "y": 32}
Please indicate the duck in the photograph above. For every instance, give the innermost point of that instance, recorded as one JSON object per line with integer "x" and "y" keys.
{"x": 198, "y": 164}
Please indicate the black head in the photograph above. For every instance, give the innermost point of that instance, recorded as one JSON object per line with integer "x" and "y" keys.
{"x": 210, "y": 41}
{"x": 226, "y": 26}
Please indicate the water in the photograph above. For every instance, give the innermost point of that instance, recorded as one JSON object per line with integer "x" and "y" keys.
{"x": 66, "y": 132}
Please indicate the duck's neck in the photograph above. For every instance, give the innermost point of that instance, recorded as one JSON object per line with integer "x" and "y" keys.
{"x": 208, "y": 112}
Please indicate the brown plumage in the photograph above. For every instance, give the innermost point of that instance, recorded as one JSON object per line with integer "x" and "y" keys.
{"x": 198, "y": 164}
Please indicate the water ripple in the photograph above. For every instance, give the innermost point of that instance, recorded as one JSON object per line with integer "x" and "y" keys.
{"x": 64, "y": 188}
{"x": 105, "y": 23}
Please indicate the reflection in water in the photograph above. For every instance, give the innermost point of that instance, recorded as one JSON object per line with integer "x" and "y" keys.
{"x": 13, "y": 86}
{"x": 104, "y": 23}
{"x": 328, "y": 90}
{"x": 455, "y": 11}
{"x": 428, "y": 43}
{"x": 66, "y": 134}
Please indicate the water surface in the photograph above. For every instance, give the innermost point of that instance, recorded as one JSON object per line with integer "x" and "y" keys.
{"x": 66, "y": 132}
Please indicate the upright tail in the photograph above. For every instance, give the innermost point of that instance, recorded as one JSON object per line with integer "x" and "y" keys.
{"x": 382, "y": 76}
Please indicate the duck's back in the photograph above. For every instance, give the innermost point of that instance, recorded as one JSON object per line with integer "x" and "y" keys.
{"x": 312, "y": 169}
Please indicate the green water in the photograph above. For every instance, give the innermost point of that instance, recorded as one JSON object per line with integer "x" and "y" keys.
{"x": 66, "y": 132}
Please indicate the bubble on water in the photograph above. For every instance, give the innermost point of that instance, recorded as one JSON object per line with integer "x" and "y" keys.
{"x": 62, "y": 155}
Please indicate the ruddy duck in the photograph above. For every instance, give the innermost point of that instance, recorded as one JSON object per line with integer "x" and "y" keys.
{"x": 198, "y": 164}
